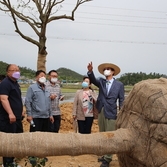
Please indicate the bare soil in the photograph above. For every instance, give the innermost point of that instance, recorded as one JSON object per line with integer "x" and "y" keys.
{"x": 69, "y": 161}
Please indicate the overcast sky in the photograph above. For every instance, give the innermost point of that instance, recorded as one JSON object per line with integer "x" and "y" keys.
{"x": 129, "y": 33}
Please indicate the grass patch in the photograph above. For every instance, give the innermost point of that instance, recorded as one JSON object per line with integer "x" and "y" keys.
{"x": 73, "y": 88}
{"x": 68, "y": 90}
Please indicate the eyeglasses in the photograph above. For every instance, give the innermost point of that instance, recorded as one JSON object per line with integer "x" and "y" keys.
{"x": 54, "y": 76}
{"x": 14, "y": 70}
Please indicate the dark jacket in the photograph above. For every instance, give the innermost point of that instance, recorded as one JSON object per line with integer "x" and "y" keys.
{"x": 108, "y": 101}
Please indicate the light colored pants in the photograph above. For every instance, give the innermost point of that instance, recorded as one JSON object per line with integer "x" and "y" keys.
{"x": 106, "y": 125}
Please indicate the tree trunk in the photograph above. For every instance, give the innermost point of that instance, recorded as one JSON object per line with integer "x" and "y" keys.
{"x": 42, "y": 144}
{"x": 41, "y": 62}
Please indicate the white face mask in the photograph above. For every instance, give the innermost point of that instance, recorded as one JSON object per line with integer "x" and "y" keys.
{"x": 53, "y": 80}
{"x": 42, "y": 80}
{"x": 107, "y": 72}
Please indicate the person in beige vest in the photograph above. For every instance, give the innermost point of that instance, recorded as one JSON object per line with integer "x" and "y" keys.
{"x": 83, "y": 107}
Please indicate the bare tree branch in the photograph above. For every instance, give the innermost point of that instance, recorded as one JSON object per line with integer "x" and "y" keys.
{"x": 46, "y": 12}
{"x": 22, "y": 17}
{"x": 77, "y": 5}
{"x": 17, "y": 28}
{"x": 79, "y": 2}
{"x": 3, "y": 3}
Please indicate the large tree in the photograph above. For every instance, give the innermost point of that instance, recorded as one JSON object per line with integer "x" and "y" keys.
{"x": 37, "y": 14}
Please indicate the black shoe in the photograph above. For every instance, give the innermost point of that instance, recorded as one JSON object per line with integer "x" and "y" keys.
{"x": 101, "y": 159}
{"x": 104, "y": 164}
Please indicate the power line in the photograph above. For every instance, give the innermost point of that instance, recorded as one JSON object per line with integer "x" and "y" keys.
{"x": 111, "y": 41}
{"x": 120, "y": 25}
{"x": 91, "y": 18}
{"x": 114, "y": 8}
{"x": 138, "y": 10}
{"x": 95, "y": 40}
{"x": 116, "y": 15}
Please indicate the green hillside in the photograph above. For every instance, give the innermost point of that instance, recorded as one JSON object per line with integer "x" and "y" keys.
{"x": 69, "y": 75}
{"x": 64, "y": 73}
{"x": 27, "y": 72}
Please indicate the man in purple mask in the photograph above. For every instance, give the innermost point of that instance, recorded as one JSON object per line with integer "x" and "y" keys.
{"x": 11, "y": 107}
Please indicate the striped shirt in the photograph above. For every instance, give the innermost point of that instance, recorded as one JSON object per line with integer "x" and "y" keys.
{"x": 56, "y": 90}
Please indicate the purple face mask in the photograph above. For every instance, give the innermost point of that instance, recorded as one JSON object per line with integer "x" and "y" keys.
{"x": 16, "y": 75}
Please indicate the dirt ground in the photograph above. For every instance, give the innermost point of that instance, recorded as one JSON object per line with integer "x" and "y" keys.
{"x": 70, "y": 161}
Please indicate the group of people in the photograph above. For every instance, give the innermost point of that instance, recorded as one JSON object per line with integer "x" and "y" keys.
{"x": 110, "y": 95}
{"x": 42, "y": 103}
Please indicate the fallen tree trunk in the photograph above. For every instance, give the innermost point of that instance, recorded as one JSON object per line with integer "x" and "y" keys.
{"x": 44, "y": 144}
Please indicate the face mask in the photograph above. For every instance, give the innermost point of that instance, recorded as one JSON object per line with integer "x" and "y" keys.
{"x": 85, "y": 84}
{"x": 16, "y": 75}
{"x": 53, "y": 80}
{"x": 42, "y": 80}
{"x": 107, "y": 72}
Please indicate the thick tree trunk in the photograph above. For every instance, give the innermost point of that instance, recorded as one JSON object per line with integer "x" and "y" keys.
{"x": 145, "y": 113}
{"x": 44, "y": 144}
{"x": 42, "y": 53}
{"x": 41, "y": 62}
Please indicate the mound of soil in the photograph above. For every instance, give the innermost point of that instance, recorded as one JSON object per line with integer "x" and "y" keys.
{"x": 66, "y": 120}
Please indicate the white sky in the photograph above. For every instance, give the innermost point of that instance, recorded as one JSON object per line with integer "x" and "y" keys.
{"x": 129, "y": 33}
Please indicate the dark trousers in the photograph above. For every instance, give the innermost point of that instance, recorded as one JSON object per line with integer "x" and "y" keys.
{"x": 16, "y": 127}
{"x": 84, "y": 126}
{"x": 55, "y": 126}
{"x": 41, "y": 124}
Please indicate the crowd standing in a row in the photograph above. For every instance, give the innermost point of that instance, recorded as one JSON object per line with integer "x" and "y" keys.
{"x": 42, "y": 103}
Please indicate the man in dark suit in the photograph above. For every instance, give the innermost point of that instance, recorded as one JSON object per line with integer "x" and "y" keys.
{"x": 110, "y": 91}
